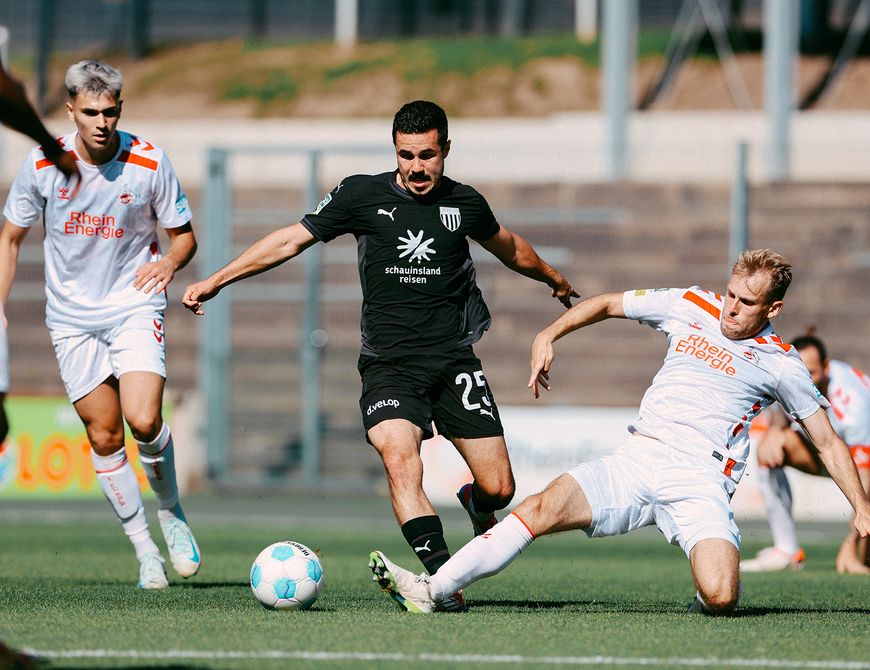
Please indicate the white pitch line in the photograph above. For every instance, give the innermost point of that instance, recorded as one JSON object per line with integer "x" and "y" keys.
{"x": 449, "y": 658}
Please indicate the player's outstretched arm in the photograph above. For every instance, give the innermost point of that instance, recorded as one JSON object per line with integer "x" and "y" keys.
{"x": 273, "y": 250}
{"x": 17, "y": 113}
{"x": 519, "y": 256}
{"x": 838, "y": 461}
{"x": 10, "y": 243}
{"x": 157, "y": 275}
{"x": 585, "y": 313}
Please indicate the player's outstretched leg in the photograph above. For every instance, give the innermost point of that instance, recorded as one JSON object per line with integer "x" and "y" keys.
{"x": 158, "y": 461}
{"x": 410, "y": 591}
{"x": 481, "y": 521}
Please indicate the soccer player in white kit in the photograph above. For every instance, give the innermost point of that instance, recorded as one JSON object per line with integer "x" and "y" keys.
{"x": 783, "y": 443}
{"x": 105, "y": 296}
{"x": 688, "y": 448}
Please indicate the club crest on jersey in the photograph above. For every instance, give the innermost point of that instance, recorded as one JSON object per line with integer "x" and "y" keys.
{"x": 450, "y": 217}
{"x": 127, "y": 197}
{"x": 751, "y": 356}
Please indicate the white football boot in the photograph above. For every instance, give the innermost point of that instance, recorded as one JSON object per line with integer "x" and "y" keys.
{"x": 152, "y": 572}
{"x": 183, "y": 550}
{"x": 772, "y": 559}
{"x": 410, "y": 591}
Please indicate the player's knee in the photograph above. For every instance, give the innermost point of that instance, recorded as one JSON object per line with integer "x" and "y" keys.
{"x": 145, "y": 427}
{"x": 399, "y": 460}
{"x": 721, "y": 597}
{"x": 502, "y": 496}
{"x": 104, "y": 441}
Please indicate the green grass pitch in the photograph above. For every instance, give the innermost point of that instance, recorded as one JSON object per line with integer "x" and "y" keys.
{"x": 67, "y": 590}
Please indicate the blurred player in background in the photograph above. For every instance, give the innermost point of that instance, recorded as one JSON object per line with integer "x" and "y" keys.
{"x": 784, "y": 443}
{"x": 688, "y": 448}
{"x": 422, "y": 312}
{"x": 17, "y": 113}
{"x": 105, "y": 291}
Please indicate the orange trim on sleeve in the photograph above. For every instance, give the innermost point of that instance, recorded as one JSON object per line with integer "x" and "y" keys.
{"x": 774, "y": 340}
{"x": 127, "y": 157}
{"x": 861, "y": 455}
{"x": 524, "y": 523}
{"x": 703, "y": 304}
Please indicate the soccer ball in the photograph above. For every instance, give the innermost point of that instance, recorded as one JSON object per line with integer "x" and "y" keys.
{"x": 286, "y": 576}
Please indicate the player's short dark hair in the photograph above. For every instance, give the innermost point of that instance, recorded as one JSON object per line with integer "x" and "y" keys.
{"x": 421, "y": 116}
{"x": 807, "y": 341}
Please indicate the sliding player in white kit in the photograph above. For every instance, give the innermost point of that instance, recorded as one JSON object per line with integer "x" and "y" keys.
{"x": 105, "y": 296}
{"x": 688, "y": 448}
{"x": 784, "y": 443}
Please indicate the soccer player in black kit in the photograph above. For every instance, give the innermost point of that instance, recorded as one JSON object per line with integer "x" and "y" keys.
{"x": 421, "y": 313}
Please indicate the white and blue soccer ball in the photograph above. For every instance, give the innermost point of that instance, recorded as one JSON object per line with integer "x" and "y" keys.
{"x": 286, "y": 576}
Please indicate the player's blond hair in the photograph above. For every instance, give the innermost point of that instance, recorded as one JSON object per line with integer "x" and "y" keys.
{"x": 752, "y": 261}
{"x": 93, "y": 76}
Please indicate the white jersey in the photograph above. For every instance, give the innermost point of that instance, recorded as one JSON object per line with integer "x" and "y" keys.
{"x": 710, "y": 387}
{"x": 95, "y": 243}
{"x": 849, "y": 395}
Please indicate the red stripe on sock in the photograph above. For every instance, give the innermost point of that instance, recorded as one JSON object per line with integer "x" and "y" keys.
{"x": 146, "y": 445}
{"x": 110, "y": 470}
{"x": 524, "y": 523}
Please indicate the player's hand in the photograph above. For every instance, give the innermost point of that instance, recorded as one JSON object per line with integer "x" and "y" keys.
{"x": 563, "y": 292}
{"x": 154, "y": 276}
{"x": 196, "y": 294}
{"x": 67, "y": 164}
{"x": 542, "y": 358}
{"x": 862, "y": 520}
{"x": 771, "y": 449}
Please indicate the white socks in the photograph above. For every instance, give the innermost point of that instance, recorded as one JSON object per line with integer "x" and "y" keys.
{"x": 158, "y": 461}
{"x": 118, "y": 483}
{"x": 777, "y": 501}
{"x": 485, "y": 555}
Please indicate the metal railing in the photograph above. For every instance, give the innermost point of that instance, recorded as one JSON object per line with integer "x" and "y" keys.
{"x": 215, "y": 333}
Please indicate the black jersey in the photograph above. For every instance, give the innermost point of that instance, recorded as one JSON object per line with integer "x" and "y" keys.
{"x": 418, "y": 281}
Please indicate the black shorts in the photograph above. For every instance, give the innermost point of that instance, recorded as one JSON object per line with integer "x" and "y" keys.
{"x": 448, "y": 390}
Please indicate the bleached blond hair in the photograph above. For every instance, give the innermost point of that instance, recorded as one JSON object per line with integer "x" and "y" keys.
{"x": 753, "y": 261}
{"x": 96, "y": 77}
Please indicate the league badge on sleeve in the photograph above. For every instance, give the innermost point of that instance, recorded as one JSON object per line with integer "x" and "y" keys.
{"x": 451, "y": 218}
{"x": 181, "y": 205}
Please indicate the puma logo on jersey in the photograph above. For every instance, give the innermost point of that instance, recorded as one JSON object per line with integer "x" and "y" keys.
{"x": 487, "y": 413}
{"x": 425, "y": 547}
{"x": 418, "y": 248}
{"x": 386, "y": 213}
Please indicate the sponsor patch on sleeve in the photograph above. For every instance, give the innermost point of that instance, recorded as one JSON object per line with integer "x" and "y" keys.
{"x": 323, "y": 203}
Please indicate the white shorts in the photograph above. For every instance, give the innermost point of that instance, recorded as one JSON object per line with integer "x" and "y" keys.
{"x": 88, "y": 358}
{"x": 4, "y": 356}
{"x": 646, "y": 482}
